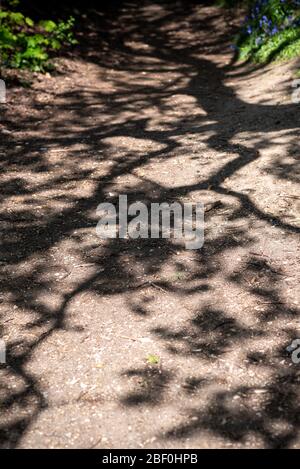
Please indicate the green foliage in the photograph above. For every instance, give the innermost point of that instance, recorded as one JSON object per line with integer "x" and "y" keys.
{"x": 25, "y": 44}
{"x": 285, "y": 45}
{"x": 271, "y": 30}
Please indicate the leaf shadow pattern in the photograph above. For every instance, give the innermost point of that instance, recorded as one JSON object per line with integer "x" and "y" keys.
{"x": 53, "y": 210}
{"x": 236, "y": 422}
{"x": 150, "y": 384}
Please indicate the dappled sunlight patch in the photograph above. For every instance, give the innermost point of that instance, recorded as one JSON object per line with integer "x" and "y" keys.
{"x": 123, "y": 144}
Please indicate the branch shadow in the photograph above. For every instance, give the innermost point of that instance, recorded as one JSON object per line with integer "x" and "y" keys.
{"x": 43, "y": 208}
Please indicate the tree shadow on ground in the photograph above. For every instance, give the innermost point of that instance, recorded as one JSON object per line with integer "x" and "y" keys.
{"x": 53, "y": 198}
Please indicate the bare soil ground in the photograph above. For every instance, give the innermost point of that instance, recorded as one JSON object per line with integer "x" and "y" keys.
{"x": 154, "y": 107}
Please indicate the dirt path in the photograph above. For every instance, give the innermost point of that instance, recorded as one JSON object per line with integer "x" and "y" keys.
{"x": 155, "y": 109}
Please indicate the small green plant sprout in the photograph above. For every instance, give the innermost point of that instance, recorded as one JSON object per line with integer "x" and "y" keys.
{"x": 153, "y": 359}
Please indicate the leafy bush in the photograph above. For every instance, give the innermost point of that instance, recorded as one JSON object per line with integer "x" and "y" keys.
{"x": 26, "y": 44}
{"x": 272, "y": 29}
